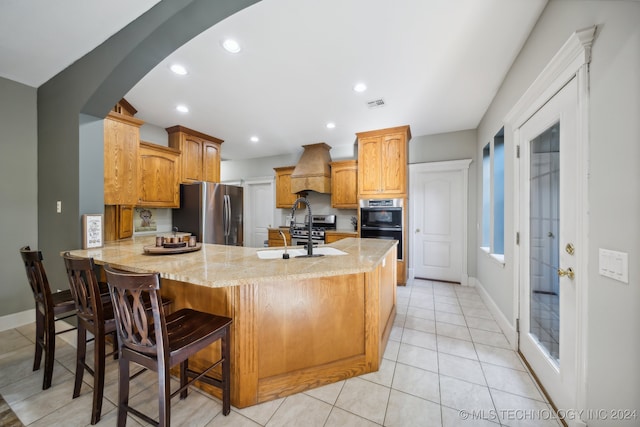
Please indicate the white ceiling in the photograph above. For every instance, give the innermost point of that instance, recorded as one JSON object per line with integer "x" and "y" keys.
{"x": 436, "y": 64}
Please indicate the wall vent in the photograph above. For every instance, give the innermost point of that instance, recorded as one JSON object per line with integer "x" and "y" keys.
{"x": 376, "y": 103}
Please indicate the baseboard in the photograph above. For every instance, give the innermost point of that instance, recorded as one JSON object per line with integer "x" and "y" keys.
{"x": 15, "y": 320}
{"x": 508, "y": 329}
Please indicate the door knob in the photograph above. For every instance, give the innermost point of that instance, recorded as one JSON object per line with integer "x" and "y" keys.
{"x": 417, "y": 230}
{"x": 568, "y": 272}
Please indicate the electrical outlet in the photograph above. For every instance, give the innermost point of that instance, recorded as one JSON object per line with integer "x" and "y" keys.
{"x": 59, "y": 206}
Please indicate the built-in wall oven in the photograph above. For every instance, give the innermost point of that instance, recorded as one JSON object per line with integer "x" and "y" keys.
{"x": 382, "y": 219}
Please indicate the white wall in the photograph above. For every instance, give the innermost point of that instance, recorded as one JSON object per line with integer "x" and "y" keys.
{"x": 613, "y": 311}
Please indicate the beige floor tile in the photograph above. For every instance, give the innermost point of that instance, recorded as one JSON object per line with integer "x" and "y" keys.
{"x": 495, "y": 339}
{"x": 455, "y": 319}
{"x": 342, "y": 418}
{"x": 262, "y": 412}
{"x": 300, "y": 409}
{"x": 448, "y": 308}
{"x": 418, "y": 357}
{"x": 419, "y": 324}
{"x": 512, "y": 381}
{"x": 463, "y": 395}
{"x": 419, "y": 338}
{"x": 482, "y": 323}
{"x": 365, "y": 399}
{"x": 417, "y": 382}
{"x": 499, "y": 356}
{"x": 421, "y": 313}
{"x": 461, "y": 368}
{"x": 457, "y": 418}
{"x": 453, "y": 331}
{"x": 329, "y": 393}
{"x": 518, "y": 411}
{"x": 406, "y": 410}
{"x": 383, "y": 376}
{"x": 12, "y": 340}
{"x": 456, "y": 347}
{"x": 234, "y": 419}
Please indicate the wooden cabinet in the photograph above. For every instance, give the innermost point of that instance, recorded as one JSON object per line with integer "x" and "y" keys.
{"x": 200, "y": 154}
{"x": 284, "y": 196}
{"x": 275, "y": 238}
{"x": 121, "y": 139}
{"x": 344, "y": 184}
{"x": 118, "y": 220}
{"x": 159, "y": 180}
{"x": 382, "y": 160}
{"x": 334, "y": 236}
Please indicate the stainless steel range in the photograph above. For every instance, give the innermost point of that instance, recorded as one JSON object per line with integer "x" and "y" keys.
{"x": 319, "y": 224}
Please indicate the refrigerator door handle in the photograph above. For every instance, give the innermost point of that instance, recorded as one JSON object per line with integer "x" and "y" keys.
{"x": 227, "y": 215}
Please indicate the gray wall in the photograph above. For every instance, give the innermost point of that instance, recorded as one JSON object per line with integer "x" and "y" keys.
{"x": 451, "y": 146}
{"x": 91, "y": 86}
{"x": 18, "y": 191}
{"x": 613, "y": 310}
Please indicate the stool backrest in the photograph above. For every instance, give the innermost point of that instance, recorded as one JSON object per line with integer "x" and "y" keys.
{"x": 84, "y": 288}
{"x": 37, "y": 278}
{"x": 139, "y": 329}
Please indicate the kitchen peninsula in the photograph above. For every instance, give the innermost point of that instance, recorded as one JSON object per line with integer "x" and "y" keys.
{"x": 298, "y": 323}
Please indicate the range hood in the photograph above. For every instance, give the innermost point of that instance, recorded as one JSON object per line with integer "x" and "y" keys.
{"x": 313, "y": 173}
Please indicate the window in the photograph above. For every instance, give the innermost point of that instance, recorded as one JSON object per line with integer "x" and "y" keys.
{"x": 493, "y": 196}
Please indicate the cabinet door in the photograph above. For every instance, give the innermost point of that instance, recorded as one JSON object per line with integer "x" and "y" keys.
{"x": 120, "y": 162}
{"x": 394, "y": 176}
{"x": 159, "y": 177}
{"x": 191, "y": 158}
{"x": 370, "y": 165}
{"x": 284, "y": 196}
{"x": 344, "y": 188}
{"x": 211, "y": 161}
{"x": 125, "y": 221}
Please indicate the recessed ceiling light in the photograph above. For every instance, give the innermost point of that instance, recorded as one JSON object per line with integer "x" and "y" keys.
{"x": 179, "y": 69}
{"x": 331, "y": 125}
{"x": 360, "y": 87}
{"x": 231, "y": 46}
{"x": 254, "y": 139}
{"x": 182, "y": 108}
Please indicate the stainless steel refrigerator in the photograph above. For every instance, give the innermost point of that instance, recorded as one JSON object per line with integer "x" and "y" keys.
{"x": 212, "y": 212}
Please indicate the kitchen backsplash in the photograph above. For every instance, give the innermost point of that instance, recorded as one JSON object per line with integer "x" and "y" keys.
{"x": 320, "y": 205}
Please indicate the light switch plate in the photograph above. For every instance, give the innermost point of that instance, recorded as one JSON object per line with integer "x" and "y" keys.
{"x": 614, "y": 264}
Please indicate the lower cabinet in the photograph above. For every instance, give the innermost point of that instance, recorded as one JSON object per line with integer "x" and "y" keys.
{"x": 275, "y": 238}
{"x": 334, "y": 236}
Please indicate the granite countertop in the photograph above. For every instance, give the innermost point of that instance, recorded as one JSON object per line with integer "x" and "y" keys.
{"x": 221, "y": 266}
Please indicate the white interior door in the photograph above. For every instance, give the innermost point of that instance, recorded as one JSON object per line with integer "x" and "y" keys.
{"x": 439, "y": 199}
{"x": 548, "y": 186}
{"x": 259, "y": 211}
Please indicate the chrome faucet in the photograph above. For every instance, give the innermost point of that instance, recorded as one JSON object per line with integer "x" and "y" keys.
{"x": 309, "y": 220}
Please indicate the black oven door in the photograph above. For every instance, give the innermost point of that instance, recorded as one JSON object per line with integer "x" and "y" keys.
{"x": 381, "y": 217}
{"x": 384, "y": 233}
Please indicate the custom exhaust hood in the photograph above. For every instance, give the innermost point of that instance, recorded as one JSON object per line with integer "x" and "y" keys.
{"x": 313, "y": 172}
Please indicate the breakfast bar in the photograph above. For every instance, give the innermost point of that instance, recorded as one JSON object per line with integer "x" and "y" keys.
{"x": 298, "y": 323}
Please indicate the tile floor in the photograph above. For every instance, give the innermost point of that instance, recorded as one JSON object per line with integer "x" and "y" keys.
{"x": 447, "y": 364}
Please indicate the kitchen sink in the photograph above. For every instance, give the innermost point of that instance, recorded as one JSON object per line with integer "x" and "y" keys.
{"x": 294, "y": 252}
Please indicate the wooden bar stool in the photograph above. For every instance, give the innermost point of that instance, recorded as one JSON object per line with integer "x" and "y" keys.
{"x": 50, "y": 307}
{"x": 159, "y": 342}
{"x": 94, "y": 316}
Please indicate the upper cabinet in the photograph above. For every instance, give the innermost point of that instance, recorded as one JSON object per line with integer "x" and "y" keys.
{"x": 121, "y": 138}
{"x": 344, "y": 185}
{"x": 382, "y": 156}
{"x": 159, "y": 181}
{"x": 284, "y": 196}
{"x": 200, "y": 156}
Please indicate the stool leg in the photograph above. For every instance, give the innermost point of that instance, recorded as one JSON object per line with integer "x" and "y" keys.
{"x": 98, "y": 375}
{"x": 184, "y": 366}
{"x": 40, "y": 342}
{"x": 164, "y": 394}
{"x": 123, "y": 391}
{"x": 81, "y": 352}
{"x": 49, "y": 352}
{"x": 226, "y": 374}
